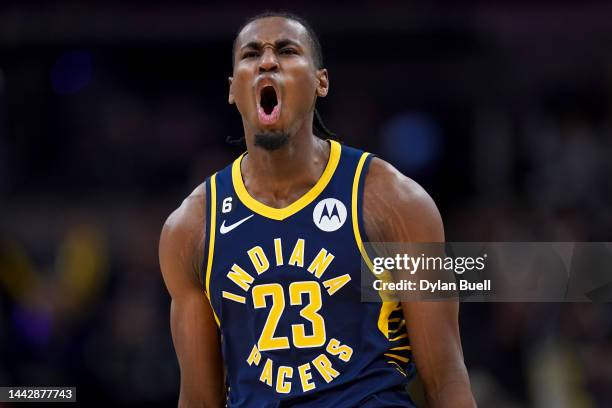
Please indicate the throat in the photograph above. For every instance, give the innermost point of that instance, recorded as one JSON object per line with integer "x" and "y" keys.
{"x": 279, "y": 177}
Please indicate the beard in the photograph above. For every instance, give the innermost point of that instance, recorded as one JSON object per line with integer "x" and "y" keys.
{"x": 271, "y": 141}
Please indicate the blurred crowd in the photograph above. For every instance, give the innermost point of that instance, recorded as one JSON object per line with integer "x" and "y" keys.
{"x": 502, "y": 112}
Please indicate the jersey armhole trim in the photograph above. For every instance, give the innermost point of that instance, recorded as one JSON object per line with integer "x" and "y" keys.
{"x": 357, "y": 198}
{"x": 211, "y": 227}
{"x": 204, "y": 262}
{"x": 387, "y": 307}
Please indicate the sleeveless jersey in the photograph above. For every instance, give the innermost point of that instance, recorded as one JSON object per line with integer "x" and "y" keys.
{"x": 284, "y": 285}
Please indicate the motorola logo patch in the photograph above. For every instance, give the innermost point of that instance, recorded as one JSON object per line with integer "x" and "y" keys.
{"x": 329, "y": 214}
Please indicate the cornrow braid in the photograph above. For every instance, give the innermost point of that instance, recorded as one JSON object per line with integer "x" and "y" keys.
{"x": 318, "y": 126}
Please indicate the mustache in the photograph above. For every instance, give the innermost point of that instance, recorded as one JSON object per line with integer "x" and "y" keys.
{"x": 271, "y": 141}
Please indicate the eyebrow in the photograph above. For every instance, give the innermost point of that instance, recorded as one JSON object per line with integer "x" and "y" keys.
{"x": 277, "y": 44}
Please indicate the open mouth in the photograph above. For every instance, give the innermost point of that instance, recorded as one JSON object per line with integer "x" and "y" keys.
{"x": 268, "y": 99}
{"x": 269, "y": 106}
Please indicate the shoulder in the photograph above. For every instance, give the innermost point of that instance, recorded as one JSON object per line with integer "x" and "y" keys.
{"x": 188, "y": 218}
{"x": 184, "y": 233}
{"x": 397, "y": 209}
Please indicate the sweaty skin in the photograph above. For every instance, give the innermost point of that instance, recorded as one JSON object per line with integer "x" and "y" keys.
{"x": 396, "y": 209}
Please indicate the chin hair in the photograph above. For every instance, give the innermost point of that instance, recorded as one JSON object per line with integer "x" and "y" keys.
{"x": 271, "y": 141}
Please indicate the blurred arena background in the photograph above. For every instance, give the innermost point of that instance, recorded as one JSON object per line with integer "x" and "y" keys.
{"x": 112, "y": 112}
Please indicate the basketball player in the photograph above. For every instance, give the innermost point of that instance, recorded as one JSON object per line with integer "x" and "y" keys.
{"x": 262, "y": 260}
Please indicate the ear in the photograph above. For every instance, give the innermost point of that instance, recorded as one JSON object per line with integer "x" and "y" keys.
{"x": 323, "y": 86}
{"x": 230, "y": 98}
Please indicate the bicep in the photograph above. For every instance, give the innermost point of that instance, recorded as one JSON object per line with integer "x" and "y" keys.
{"x": 399, "y": 210}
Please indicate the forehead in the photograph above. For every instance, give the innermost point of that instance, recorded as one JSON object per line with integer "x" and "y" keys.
{"x": 270, "y": 29}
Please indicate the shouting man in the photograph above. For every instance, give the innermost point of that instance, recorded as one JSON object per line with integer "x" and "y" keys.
{"x": 262, "y": 260}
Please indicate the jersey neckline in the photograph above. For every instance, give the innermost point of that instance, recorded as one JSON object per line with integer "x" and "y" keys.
{"x": 280, "y": 214}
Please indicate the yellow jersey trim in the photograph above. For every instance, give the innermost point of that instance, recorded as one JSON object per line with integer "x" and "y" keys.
{"x": 280, "y": 214}
{"x": 400, "y": 358}
{"x": 354, "y": 212}
{"x": 387, "y": 307}
{"x": 383, "y": 318}
{"x": 211, "y": 238}
{"x": 401, "y": 336}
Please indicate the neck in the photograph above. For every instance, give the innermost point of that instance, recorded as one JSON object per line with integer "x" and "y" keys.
{"x": 279, "y": 177}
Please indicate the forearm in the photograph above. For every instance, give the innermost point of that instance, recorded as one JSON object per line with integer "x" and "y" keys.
{"x": 201, "y": 391}
{"x": 198, "y": 351}
{"x": 191, "y": 400}
{"x": 454, "y": 393}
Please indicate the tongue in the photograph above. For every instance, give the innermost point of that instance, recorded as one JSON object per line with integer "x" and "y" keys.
{"x": 268, "y": 118}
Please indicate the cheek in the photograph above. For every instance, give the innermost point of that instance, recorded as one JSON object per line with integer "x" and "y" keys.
{"x": 302, "y": 85}
{"x": 241, "y": 89}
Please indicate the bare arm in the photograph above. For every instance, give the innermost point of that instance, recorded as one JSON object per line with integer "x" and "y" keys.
{"x": 397, "y": 209}
{"x": 194, "y": 330}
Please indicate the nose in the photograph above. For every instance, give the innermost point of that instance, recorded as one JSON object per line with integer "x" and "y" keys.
{"x": 268, "y": 61}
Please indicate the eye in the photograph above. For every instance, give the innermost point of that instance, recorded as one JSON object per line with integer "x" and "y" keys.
{"x": 288, "y": 51}
{"x": 249, "y": 54}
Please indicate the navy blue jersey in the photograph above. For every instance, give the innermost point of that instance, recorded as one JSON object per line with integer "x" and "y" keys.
{"x": 284, "y": 285}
